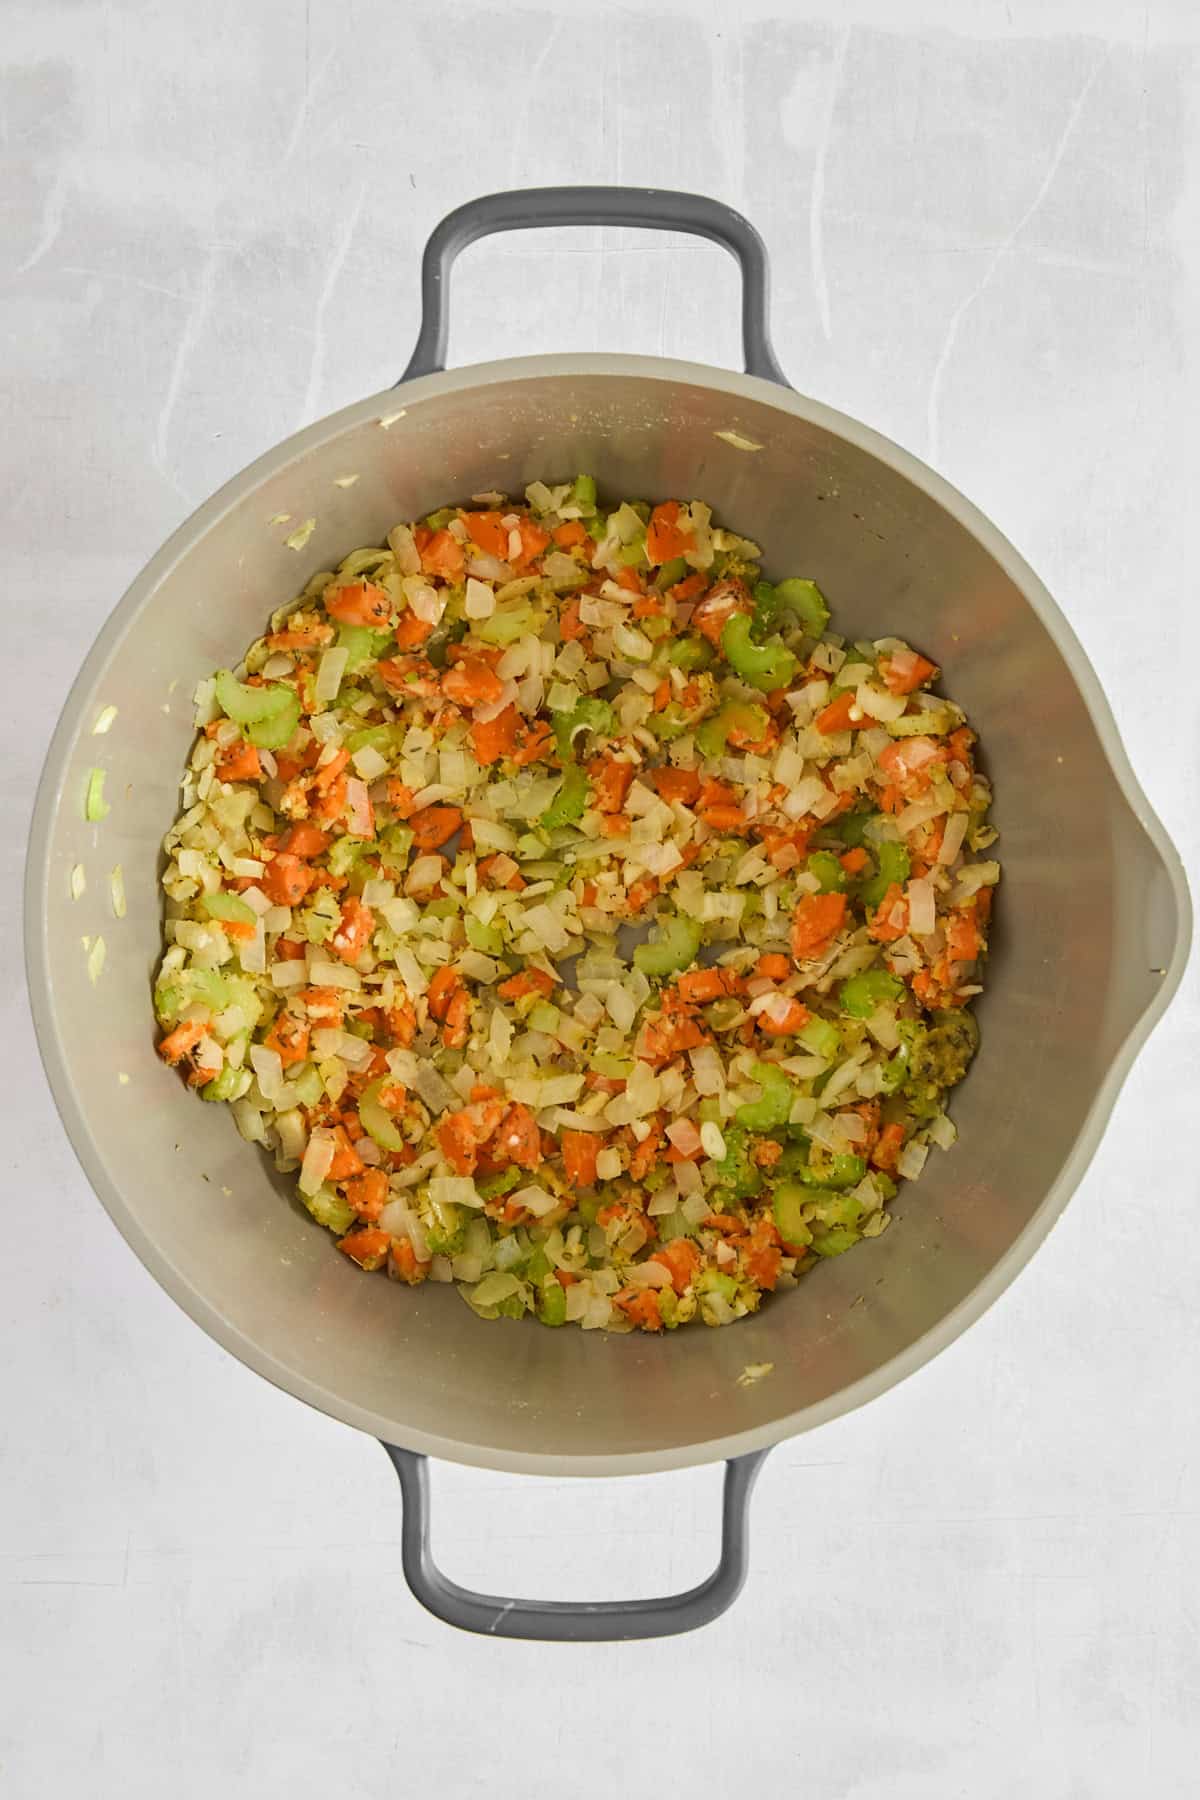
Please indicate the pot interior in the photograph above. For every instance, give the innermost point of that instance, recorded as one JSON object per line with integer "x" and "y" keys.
{"x": 1083, "y": 912}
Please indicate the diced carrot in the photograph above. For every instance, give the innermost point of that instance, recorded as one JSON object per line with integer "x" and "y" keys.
{"x": 690, "y": 588}
{"x": 329, "y": 803}
{"x": 962, "y": 935}
{"x": 239, "y": 762}
{"x": 404, "y": 1263}
{"x": 300, "y": 637}
{"x": 883, "y": 927}
{"x": 487, "y": 533}
{"x": 487, "y": 872}
{"x": 648, "y": 606}
{"x": 569, "y": 533}
{"x": 570, "y": 625}
{"x": 434, "y": 826}
{"x": 443, "y": 555}
{"x": 641, "y": 1305}
{"x": 639, "y": 896}
{"x": 346, "y": 1160}
{"x": 327, "y": 773}
{"x": 718, "y": 606}
{"x": 359, "y": 603}
{"x": 565, "y": 1277}
{"x": 533, "y": 542}
{"x": 611, "y": 782}
{"x": 663, "y": 1038}
{"x": 766, "y": 1153}
{"x": 817, "y": 918}
{"x": 628, "y": 579}
{"x": 888, "y": 1147}
{"x": 762, "y": 1265}
{"x": 458, "y": 1014}
{"x": 527, "y": 981}
{"x": 701, "y": 985}
{"x": 906, "y": 761}
{"x": 289, "y": 950}
{"x": 323, "y": 1004}
{"x": 775, "y": 966}
{"x": 410, "y": 633}
{"x": 442, "y": 988}
{"x": 681, "y": 1259}
{"x": 179, "y": 1043}
{"x": 836, "y": 716}
{"x": 288, "y": 1036}
{"x": 534, "y": 742}
{"x": 675, "y": 785}
{"x": 661, "y": 697}
{"x": 458, "y": 1141}
{"x": 723, "y": 818}
{"x": 579, "y": 1152}
{"x": 472, "y": 682}
{"x": 786, "y": 1023}
{"x": 286, "y": 880}
{"x": 367, "y": 1193}
{"x": 402, "y": 1022}
{"x": 367, "y": 1248}
{"x": 904, "y": 674}
{"x": 400, "y": 797}
{"x": 496, "y": 738}
{"x": 304, "y": 840}
{"x": 665, "y": 539}
{"x": 354, "y": 932}
{"x": 854, "y": 861}
{"x": 518, "y": 1139}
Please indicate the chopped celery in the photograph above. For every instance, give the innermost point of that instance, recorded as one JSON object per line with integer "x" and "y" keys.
{"x": 364, "y": 643}
{"x": 862, "y": 993}
{"x": 506, "y": 624}
{"x": 583, "y": 492}
{"x": 670, "y": 573}
{"x": 329, "y": 1209}
{"x": 923, "y": 724}
{"x": 787, "y": 1204}
{"x": 820, "y": 1036}
{"x": 386, "y": 739}
{"x": 828, "y": 871}
{"x": 690, "y": 653}
{"x": 764, "y": 666}
{"x": 893, "y": 867}
{"x": 736, "y": 1173}
{"x": 486, "y": 938}
{"x": 749, "y": 721}
{"x": 570, "y": 803}
{"x": 675, "y": 948}
{"x": 228, "y": 906}
{"x": 552, "y": 1303}
{"x": 376, "y": 1119}
{"x": 586, "y": 715}
{"x": 773, "y": 1104}
{"x": 804, "y": 600}
{"x": 95, "y": 807}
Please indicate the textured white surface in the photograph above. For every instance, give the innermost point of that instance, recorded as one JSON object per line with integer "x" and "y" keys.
{"x": 986, "y": 240}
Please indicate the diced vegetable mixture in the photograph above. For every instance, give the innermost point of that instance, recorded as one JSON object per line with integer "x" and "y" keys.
{"x": 579, "y": 918}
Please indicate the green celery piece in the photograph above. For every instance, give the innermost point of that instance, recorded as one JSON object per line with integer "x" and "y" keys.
{"x": 690, "y": 653}
{"x": 787, "y": 1205}
{"x": 570, "y": 803}
{"x": 588, "y": 714}
{"x": 773, "y": 1104}
{"x": 861, "y": 994}
{"x": 676, "y": 947}
{"x": 670, "y": 573}
{"x": 828, "y": 871}
{"x": 763, "y": 666}
{"x": 583, "y": 492}
{"x": 552, "y": 1303}
{"x": 376, "y": 1119}
{"x": 820, "y": 1036}
{"x": 893, "y": 868}
{"x": 365, "y": 644}
{"x": 95, "y": 807}
{"x": 228, "y": 906}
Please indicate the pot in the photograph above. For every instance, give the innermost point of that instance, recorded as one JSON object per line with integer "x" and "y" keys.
{"x": 1090, "y": 941}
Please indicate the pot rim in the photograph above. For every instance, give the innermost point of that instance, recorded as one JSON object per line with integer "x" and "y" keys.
{"x": 203, "y": 1308}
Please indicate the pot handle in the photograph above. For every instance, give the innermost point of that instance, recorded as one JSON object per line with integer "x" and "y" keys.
{"x": 657, "y": 209}
{"x": 582, "y": 1622}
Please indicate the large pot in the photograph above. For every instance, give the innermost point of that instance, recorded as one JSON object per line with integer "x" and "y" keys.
{"x": 1090, "y": 941}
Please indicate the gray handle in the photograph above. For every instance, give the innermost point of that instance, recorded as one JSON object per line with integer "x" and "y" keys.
{"x": 655, "y": 208}
{"x": 583, "y": 1622}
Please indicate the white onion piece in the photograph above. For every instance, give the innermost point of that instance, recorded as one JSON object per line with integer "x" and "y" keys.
{"x": 318, "y": 1160}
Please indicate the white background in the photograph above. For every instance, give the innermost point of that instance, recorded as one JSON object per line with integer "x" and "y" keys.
{"x": 984, "y": 225}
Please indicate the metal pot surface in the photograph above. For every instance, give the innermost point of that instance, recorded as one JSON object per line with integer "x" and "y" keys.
{"x": 1091, "y": 938}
